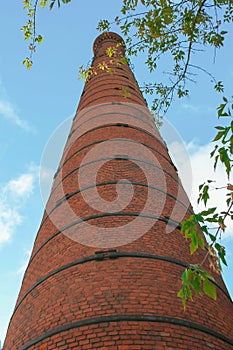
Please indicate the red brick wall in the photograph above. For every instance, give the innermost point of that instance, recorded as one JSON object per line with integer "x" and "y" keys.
{"x": 74, "y": 298}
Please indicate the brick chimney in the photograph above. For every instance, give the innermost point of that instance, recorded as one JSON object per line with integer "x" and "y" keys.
{"x": 107, "y": 260}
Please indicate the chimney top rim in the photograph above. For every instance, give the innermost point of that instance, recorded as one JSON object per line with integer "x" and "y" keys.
{"x": 106, "y": 36}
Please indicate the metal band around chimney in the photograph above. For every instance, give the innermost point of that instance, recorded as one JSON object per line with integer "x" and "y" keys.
{"x": 131, "y": 318}
{"x": 175, "y": 178}
{"x": 103, "y": 255}
{"x": 69, "y": 195}
{"x": 168, "y": 221}
{"x": 95, "y": 108}
{"x": 129, "y": 126}
{"x": 109, "y": 140}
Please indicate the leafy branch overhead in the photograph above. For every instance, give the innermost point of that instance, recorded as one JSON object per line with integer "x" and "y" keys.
{"x": 198, "y": 224}
{"x": 223, "y": 149}
{"x": 174, "y": 30}
{"x": 30, "y": 29}
{"x": 162, "y": 28}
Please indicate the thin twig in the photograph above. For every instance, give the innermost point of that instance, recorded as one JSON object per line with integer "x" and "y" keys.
{"x": 203, "y": 70}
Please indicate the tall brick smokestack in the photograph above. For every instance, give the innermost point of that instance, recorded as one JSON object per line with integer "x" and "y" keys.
{"x": 106, "y": 264}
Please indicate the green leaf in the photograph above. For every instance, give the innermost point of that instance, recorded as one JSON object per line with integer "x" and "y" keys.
{"x": 208, "y": 211}
{"x": 193, "y": 246}
{"x": 39, "y": 39}
{"x": 186, "y": 275}
{"x": 110, "y": 51}
{"x": 212, "y": 237}
{"x": 124, "y": 60}
{"x": 199, "y": 217}
{"x": 218, "y": 246}
{"x": 222, "y": 258}
{"x": 209, "y": 289}
{"x": 216, "y": 161}
{"x": 205, "y": 229}
{"x": 219, "y": 86}
{"x": 219, "y": 127}
{"x": 43, "y": 3}
{"x": 27, "y": 34}
{"x": 180, "y": 294}
{"x": 221, "y": 252}
{"x": 52, "y": 4}
{"x": 224, "y": 158}
{"x": 201, "y": 242}
{"x": 219, "y": 135}
{"x": 213, "y": 152}
{"x": 200, "y": 186}
{"x": 189, "y": 293}
{"x": 26, "y": 4}
{"x": 196, "y": 283}
{"x": 103, "y": 25}
{"x": 28, "y": 63}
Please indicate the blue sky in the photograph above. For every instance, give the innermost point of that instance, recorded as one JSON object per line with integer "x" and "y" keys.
{"x": 33, "y": 104}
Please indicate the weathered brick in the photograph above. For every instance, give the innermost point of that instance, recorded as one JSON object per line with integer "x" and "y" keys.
{"x": 142, "y": 281}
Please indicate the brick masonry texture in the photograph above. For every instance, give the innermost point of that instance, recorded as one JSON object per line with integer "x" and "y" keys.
{"x": 124, "y": 297}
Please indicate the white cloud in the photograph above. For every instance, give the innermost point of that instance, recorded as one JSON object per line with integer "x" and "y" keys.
{"x": 46, "y": 180}
{"x": 8, "y": 111}
{"x": 179, "y": 153}
{"x": 24, "y": 265}
{"x": 46, "y": 174}
{"x": 202, "y": 170}
{"x": 9, "y": 219}
{"x": 12, "y": 200}
{"x": 190, "y": 107}
{"x": 20, "y": 187}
